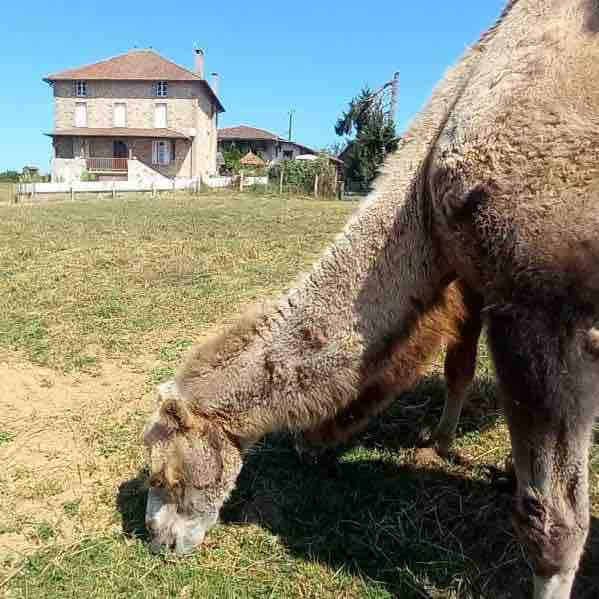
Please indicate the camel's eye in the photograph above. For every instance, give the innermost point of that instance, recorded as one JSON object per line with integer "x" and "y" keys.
{"x": 157, "y": 480}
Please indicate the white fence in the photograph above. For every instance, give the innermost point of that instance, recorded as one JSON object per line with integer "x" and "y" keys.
{"x": 126, "y": 186}
{"x": 229, "y": 181}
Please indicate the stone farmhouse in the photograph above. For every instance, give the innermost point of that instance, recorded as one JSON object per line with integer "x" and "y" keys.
{"x": 269, "y": 146}
{"x": 136, "y": 116}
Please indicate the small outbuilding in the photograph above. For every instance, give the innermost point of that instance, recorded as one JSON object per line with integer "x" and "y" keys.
{"x": 250, "y": 159}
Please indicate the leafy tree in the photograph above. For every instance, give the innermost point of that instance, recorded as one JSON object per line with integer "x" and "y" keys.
{"x": 372, "y": 136}
{"x": 232, "y": 156}
{"x": 334, "y": 149}
{"x": 9, "y": 176}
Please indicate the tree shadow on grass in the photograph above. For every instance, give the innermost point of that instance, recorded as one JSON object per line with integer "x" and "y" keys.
{"x": 419, "y": 531}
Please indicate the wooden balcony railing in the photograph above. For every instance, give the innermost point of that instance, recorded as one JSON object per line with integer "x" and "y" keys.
{"x": 106, "y": 165}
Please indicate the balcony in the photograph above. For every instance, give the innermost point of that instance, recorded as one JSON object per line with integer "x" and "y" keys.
{"x": 106, "y": 165}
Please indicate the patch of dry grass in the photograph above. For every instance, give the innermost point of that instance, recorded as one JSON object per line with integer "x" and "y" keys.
{"x": 6, "y": 192}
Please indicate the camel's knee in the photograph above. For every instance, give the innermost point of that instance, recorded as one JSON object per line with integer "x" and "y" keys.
{"x": 554, "y": 543}
{"x": 554, "y": 538}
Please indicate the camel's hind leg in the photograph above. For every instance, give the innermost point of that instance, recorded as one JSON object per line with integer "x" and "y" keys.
{"x": 457, "y": 320}
{"x": 460, "y": 365}
{"x": 549, "y": 380}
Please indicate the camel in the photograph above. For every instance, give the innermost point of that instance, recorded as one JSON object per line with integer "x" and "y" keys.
{"x": 487, "y": 212}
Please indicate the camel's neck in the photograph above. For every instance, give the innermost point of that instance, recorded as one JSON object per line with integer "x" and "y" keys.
{"x": 310, "y": 355}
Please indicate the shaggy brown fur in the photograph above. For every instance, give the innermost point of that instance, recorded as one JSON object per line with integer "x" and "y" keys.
{"x": 496, "y": 185}
{"x": 455, "y": 322}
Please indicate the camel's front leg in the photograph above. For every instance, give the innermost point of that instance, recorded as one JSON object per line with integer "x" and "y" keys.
{"x": 549, "y": 382}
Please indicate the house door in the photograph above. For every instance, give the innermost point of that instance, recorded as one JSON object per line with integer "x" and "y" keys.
{"x": 80, "y": 147}
{"x": 119, "y": 149}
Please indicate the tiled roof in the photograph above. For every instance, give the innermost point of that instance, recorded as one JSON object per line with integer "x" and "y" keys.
{"x": 245, "y": 132}
{"x": 135, "y": 65}
{"x": 118, "y": 132}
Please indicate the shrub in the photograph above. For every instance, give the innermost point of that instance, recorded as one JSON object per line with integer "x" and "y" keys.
{"x": 87, "y": 176}
{"x": 299, "y": 175}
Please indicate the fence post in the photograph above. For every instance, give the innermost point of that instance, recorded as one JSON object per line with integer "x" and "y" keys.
{"x": 113, "y": 191}
{"x": 32, "y": 189}
{"x": 174, "y": 186}
{"x": 336, "y": 182}
{"x": 16, "y": 190}
{"x": 153, "y": 189}
{"x": 315, "y": 186}
{"x": 281, "y": 180}
{"x": 240, "y": 180}
{"x": 72, "y": 191}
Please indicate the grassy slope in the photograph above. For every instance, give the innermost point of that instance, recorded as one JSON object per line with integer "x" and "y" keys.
{"x": 85, "y": 281}
{"x": 78, "y": 281}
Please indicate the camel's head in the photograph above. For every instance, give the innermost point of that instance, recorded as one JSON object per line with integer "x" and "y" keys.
{"x": 193, "y": 469}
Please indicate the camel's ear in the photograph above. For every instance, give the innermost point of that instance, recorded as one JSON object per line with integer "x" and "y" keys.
{"x": 177, "y": 411}
{"x": 172, "y": 416}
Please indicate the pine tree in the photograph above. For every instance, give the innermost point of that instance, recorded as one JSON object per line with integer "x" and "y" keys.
{"x": 374, "y": 137}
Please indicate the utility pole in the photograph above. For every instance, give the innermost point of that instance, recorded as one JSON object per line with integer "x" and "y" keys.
{"x": 291, "y": 113}
{"x": 394, "y": 97}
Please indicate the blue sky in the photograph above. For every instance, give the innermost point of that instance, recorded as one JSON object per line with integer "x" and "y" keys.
{"x": 272, "y": 56}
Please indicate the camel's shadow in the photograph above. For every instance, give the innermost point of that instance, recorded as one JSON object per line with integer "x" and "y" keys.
{"x": 420, "y": 409}
{"x": 415, "y": 530}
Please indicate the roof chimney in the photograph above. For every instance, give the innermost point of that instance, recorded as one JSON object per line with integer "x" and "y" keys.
{"x": 214, "y": 82}
{"x": 198, "y": 62}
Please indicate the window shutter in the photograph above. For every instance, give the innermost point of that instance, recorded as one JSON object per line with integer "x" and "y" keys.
{"x": 80, "y": 114}
{"x": 172, "y": 150}
{"x": 154, "y": 152}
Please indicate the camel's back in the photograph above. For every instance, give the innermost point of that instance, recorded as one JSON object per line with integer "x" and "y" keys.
{"x": 526, "y": 130}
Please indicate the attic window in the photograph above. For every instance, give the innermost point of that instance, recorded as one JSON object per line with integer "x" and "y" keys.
{"x": 162, "y": 89}
{"x": 81, "y": 89}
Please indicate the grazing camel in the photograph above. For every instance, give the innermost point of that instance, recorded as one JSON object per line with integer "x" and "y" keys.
{"x": 491, "y": 205}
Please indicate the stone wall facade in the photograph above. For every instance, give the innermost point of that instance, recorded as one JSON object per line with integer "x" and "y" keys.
{"x": 189, "y": 111}
{"x": 65, "y": 170}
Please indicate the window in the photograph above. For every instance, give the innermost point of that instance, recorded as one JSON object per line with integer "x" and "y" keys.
{"x": 163, "y": 151}
{"x": 80, "y": 114}
{"x": 288, "y": 154}
{"x": 160, "y": 116}
{"x": 81, "y": 89}
{"x": 119, "y": 114}
{"x": 162, "y": 89}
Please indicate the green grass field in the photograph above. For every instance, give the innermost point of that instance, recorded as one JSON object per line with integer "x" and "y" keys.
{"x": 98, "y": 302}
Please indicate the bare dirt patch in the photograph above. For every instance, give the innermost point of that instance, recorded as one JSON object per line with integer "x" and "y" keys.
{"x": 65, "y": 442}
